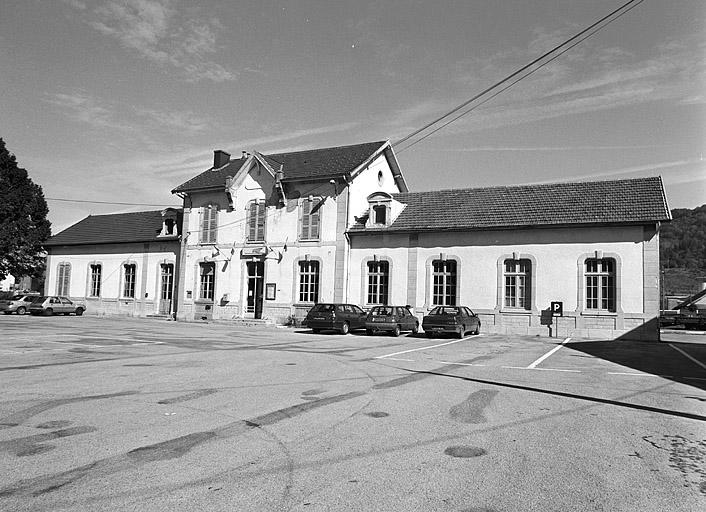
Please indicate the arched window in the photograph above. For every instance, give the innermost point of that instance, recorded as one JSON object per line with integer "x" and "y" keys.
{"x": 378, "y": 282}
{"x": 599, "y": 274}
{"x": 444, "y": 280}
{"x": 309, "y": 281}
{"x": 518, "y": 277}
{"x": 63, "y": 279}
{"x": 129, "y": 279}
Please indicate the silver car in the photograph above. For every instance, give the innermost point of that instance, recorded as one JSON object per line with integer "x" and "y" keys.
{"x": 17, "y": 303}
{"x": 53, "y": 305}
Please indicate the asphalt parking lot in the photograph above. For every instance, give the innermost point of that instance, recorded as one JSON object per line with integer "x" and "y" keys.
{"x": 138, "y": 414}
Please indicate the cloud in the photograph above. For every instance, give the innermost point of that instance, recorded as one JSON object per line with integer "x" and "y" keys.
{"x": 158, "y": 32}
{"x": 80, "y": 106}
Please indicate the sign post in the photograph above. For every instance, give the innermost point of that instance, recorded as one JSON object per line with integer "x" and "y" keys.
{"x": 557, "y": 309}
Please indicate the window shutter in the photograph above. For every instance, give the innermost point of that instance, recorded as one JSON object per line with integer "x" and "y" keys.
{"x": 306, "y": 219}
{"x": 202, "y": 230}
{"x": 260, "y": 221}
{"x": 314, "y": 219}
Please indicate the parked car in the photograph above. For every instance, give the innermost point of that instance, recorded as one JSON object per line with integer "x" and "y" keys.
{"x": 50, "y": 305}
{"x": 394, "y": 319}
{"x": 451, "y": 319}
{"x": 341, "y": 317}
{"x": 17, "y": 303}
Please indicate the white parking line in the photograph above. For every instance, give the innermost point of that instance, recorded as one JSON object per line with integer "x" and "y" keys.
{"x": 420, "y": 348}
{"x": 702, "y": 365}
{"x": 542, "y": 369}
{"x": 545, "y": 356}
{"x": 461, "y": 364}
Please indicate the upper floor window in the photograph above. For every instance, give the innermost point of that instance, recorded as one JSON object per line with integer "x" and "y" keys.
{"x": 310, "y": 219}
{"x": 209, "y": 224}
{"x": 380, "y": 214}
{"x": 63, "y": 279}
{"x": 207, "y": 280}
{"x": 129, "y": 278}
{"x": 518, "y": 274}
{"x": 94, "y": 289}
{"x": 378, "y": 282}
{"x": 444, "y": 281}
{"x": 600, "y": 284}
{"x": 309, "y": 281}
{"x": 256, "y": 221}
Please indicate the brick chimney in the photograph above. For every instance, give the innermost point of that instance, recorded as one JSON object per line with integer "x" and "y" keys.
{"x": 220, "y": 158}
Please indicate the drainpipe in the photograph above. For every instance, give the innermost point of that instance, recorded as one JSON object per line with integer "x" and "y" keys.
{"x": 179, "y": 265}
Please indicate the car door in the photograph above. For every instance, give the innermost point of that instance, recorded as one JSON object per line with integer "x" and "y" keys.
{"x": 409, "y": 319}
{"x": 66, "y": 305}
{"x": 358, "y": 317}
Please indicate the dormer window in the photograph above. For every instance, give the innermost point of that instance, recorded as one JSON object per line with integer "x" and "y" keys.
{"x": 380, "y": 214}
{"x": 169, "y": 222}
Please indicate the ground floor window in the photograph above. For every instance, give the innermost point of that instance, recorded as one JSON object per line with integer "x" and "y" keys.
{"x": 600, "y": 284}
{"x": 309, "y": 281}
{"x": 518, "y": 274}
{"x": 129, "y": 277}
{"x": 95, "y": 283}
{"x": 63, "y": 279}
{"x": 378, "y": 282}
{"x": 207, "y": 280}
{"x": 444, "y": 281}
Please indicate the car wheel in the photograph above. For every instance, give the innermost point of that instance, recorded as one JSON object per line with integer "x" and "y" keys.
{"x": 477, "y": 330}
{"x": 396, "y": 331}
{"x": 415, "y": 329}
{"x": 345, "y": 328}
{"x": 21, "y": 310}
{"x": 462, "y": 332}
{"x": 79, "y": 311}
{"x": 369, "y": 332}
{"x": 49, "y": 312}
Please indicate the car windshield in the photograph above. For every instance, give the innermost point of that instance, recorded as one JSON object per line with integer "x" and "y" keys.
{"x": 381, "y": 311}
{"x": 441, "y": 310}
{"x": 16, "y": 297}
{"x": 40, "y": 299}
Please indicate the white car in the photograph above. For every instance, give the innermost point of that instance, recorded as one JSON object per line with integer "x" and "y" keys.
{"x": 17, "y": 303}
{"x": 52, "y": 305}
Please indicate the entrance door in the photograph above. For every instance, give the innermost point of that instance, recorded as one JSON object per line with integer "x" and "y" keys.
{"x": 256, "y": 273}
{"x": 166, "y": 288}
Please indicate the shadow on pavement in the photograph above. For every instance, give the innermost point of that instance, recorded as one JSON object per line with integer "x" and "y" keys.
{"x": 670, "y": 360}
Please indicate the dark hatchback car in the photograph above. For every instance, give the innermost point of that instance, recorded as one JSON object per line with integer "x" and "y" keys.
{"x": 394, "y": 319}
{"x": 451, "y": 319}
{"x": 340, "y": 317}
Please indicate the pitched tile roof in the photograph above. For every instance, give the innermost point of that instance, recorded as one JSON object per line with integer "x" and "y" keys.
{"x": 578, "y": 203}
{"x": 300, "y": 165}
{"x": 113, "y": 228}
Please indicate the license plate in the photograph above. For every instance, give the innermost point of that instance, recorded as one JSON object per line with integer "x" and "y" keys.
{"x": 379, "y": 319}
{"x": 319, "y": 318}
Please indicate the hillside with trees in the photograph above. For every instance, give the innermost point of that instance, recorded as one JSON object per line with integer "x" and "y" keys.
{"x": 683, "y": 250}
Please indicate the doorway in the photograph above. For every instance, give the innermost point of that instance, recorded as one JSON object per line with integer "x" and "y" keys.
{"x": 166, "y": 288}
{"x": 256, "y": 274}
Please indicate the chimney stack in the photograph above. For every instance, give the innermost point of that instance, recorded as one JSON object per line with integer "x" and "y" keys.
{"x": 220, "y": 158}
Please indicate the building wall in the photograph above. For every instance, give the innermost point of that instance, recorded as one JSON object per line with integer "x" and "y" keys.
{"x": 146, "y": 256}
{"x": 557, "y": 257}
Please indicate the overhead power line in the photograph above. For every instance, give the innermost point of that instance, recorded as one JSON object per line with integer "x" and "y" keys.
{"x": 576, "y": 39}
{"x": 106, "y": 202}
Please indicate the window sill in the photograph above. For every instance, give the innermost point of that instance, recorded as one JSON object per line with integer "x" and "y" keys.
{"x": 597, "y": 312}
{"x": 204, "y": 301}
{"x": 93, "y": 298}
{"x": 518, "y": 311}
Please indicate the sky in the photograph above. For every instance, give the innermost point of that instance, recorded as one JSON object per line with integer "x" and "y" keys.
{"x": 121, "y": 101}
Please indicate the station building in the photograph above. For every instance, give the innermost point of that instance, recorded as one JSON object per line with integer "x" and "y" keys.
{"x": 266, "y": 236}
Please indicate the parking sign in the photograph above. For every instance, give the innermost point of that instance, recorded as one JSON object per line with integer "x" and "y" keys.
{"x": 557, "y": 308}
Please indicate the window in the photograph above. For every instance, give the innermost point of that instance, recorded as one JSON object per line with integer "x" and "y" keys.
{"x": 600, "y": 284}
{"x": 256, "y": 222}
{"x": 378, "y": 282}
{"x": 95, "y": 285}
{"x": 517, "y": 283}
{"x": 129, "y": 273}
{"x": 310, "y": 220}
{"x": 209, "y": 224}
{"x": 444, "y": 283}
{"x": 309, "y": 281}
{"x": 63, "y": 279}
{"x": 380, "y": 214}
{"x": 207, "y": 280}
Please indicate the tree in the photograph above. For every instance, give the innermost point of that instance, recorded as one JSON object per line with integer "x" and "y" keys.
{"x": 23, "y": 220}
